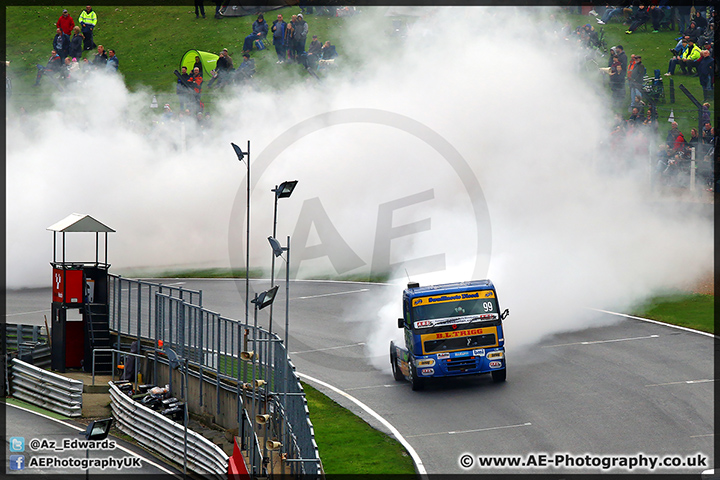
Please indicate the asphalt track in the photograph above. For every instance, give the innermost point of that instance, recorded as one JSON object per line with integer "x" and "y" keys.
{"x": 52, "y": 433}
{"x": 630, "y": 389}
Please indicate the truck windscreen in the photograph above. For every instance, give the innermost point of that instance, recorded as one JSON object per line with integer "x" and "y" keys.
{"x": 482, "y": 303}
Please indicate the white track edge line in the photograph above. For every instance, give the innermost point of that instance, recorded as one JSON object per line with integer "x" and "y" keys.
{"x": 656, "y": 322}
{"x": 158, "y": 466}
{"x": 413, "y": 454}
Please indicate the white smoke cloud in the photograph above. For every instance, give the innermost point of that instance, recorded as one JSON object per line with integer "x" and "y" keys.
{"x": 515, "y": 105}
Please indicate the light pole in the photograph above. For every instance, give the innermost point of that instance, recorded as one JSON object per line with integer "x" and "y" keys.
{"x": 284, "y": 190}
{"x": 278, "y": 251}
{"x": 260, "y": 301}
{"x": 240, "y": 155}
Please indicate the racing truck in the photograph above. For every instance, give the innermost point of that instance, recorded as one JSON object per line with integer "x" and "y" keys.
{"x": 450, "y": 330}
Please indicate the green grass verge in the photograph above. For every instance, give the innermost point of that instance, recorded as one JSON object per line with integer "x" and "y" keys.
{"x": 686, "y": 310}
{"x": 349, "y": 445}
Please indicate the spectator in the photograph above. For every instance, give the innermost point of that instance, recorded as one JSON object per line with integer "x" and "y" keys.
{"x": 76, "y": 48}
{"x": 328, "y": 51}
{"x": 617, "y": 81}
{"x": 246, "y": 70}
{"x": 637, "y": 76}
{"x": 609, "y": 13}
{"x": 680, "y": 47}
{"x": 708, "y": 133}
{"x": 65, "y": 23}
{"x": 289, "y": 34}
{"x": 259, "y": 32}
{"x": 218, "y": 5}
{"x": 699, "y": 20}
{"x": 223, "y": 67}
{"x": 101, "y": 58}
{"x": 635, "y": 116}
{"x": 182, "y": 89}
{"x": 198, "y": 65}
{"x": 640, "y": 18}
{"x": 657, "y": 14}
{"x": 708, "y": 36}
{"x": 196, "y": 80}
{"x": 113, "y": 62}
{"x": 315, "y": 46}
{"x": 199, "y": 8}
{"x": 278, "y": 29}
{"x": 672, "y": 135}
{"x": 705, "y": 68}
{"x": 300, "y": 35}
{"x": 705, "y": 113}
{"x": 61, "y": 44}
{"x": 167, "y": 113}
{"x": 88, "y": 21}
{"x": 54, "y": 64}
{"x": 694, "y": 139}
{"x": 684, "y": 15}
{"x": 693, "y": 31}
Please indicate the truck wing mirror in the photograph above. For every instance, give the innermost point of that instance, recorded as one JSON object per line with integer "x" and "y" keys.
{"x": 401, "y": 323}
{"x": 505, "y": 314}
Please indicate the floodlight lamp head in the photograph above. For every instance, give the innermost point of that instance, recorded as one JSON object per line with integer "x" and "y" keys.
{"x": 240, "y": 154}
{"x": 277, "y": 248}
{"x": 172, "y": 358}
{"x": 285, "y": 189}
{"x": 265, "y": 298}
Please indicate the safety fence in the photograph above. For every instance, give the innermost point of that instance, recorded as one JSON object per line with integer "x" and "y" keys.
{"x": 167, "y": 437}
{"x": 45, "y": 389}
{"x": 132, "y": 305}
{"x": 226, "y": 352}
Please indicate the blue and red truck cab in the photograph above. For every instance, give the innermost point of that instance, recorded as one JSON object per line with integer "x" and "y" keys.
{"x": 450, "y": 330}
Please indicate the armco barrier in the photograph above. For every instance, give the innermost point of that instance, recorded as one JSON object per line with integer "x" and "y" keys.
{"x": 167, "y": 437}
{"x": 46, "y": 389}
{"x": 16, "y": 334}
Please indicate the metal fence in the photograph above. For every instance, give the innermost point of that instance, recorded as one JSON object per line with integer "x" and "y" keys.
{"x": 132, "y": 305}
{"x": 163, "y": 435}
{"x": 265, "y": 380}
{"x": 46, "y": 389}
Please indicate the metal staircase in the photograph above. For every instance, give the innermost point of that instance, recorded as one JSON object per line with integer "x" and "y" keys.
{"x": 97, "y": 329}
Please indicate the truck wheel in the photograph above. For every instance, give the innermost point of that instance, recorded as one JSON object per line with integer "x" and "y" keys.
{"x": 397, "y": 374}
{"x": 499, "y": 375}
{"x": 416, "y": 382}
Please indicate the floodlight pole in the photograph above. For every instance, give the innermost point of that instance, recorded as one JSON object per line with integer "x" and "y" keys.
{"x": 247, "y": 241}
{"x": 272, "y": 265}
{"x": 287, "y": 323}
{"x": 255, "y": 351}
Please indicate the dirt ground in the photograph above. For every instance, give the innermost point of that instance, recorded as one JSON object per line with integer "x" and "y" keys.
{"x": 706, "y": 285}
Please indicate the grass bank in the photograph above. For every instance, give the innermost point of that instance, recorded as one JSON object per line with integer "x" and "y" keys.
{"x": 348, "y": 445}
{"x": 695, "y": 311}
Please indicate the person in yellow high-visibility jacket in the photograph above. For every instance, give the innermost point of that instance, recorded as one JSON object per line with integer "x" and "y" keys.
{"x": 690, "y": 57}
{"x": 88, "y": 20}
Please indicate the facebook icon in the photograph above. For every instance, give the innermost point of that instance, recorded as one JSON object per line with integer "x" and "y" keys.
{"x": 17, "y": 462}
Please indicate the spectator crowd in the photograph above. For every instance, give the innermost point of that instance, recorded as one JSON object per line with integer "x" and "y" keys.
{"x": 691, "y": 54}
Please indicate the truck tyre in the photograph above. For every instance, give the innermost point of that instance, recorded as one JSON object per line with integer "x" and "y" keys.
{"x": 499, "y": 375}
{"x": 416, "y": 382}
{"x": 397, "y": 374}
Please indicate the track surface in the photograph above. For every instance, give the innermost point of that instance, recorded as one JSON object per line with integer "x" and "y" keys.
{"x": 629, "y": 388}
